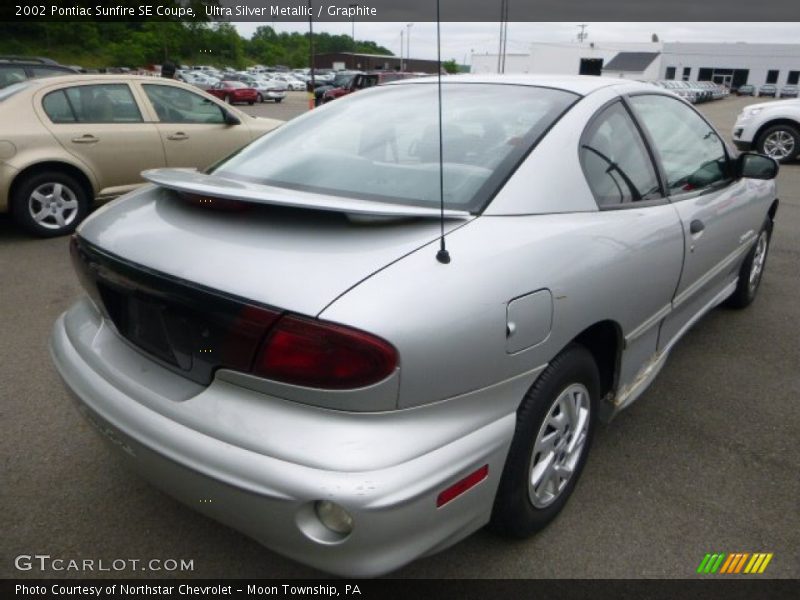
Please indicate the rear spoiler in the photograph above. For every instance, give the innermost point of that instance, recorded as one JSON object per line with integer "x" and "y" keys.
{"x": 194, "y": 182}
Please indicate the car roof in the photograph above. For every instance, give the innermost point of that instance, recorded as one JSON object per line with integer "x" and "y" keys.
{"x": 99, "y": 78}
{"x": 578, "y": 84}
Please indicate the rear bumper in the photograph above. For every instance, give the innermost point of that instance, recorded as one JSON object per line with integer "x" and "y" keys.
{"x": 160, "y": 424}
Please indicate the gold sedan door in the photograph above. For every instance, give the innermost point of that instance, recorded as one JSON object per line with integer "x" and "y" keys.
{"x": 193, "y": 128}
{"x": 101, "y": 124}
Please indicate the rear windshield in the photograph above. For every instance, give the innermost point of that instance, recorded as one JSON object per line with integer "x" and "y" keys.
{"x": 382, "y": 144}
{"x": 12, "y": 89}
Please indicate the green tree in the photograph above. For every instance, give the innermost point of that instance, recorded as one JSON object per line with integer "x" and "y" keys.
{"x": 450, "y": 66}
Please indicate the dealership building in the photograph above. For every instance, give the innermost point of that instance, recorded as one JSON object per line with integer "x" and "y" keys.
{"x": 732, "y": 64}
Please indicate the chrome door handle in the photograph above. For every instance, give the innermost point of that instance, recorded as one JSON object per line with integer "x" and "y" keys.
{"x": 178, "y": 136}
{"x": 85, "y": 139}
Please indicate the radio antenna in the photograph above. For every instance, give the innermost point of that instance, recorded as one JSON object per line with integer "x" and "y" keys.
{"x": 443, "y": 256}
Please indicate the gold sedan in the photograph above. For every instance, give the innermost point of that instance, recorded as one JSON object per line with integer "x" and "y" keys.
{"x": 68, "y": 141}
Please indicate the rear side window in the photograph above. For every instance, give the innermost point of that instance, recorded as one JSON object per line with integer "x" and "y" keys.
{"x": 107, "y": 103}
{"x": 615, "y": 160}
{"x": 57, "y": 107}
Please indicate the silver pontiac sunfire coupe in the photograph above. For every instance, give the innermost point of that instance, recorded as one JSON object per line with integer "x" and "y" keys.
{"x": 274, "y": 342}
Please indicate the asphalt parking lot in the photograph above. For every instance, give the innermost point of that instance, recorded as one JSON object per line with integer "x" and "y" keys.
{"x": 706, "y": 461}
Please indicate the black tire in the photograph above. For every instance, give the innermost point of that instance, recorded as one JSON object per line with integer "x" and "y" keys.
{"x": 24, "y": 204}
{"x": 785, "y": 129}
{"x": 278, "y": 100}
{"x": 251, "y": 102}
{"x": 746, "y": 290}
{"x": 514, "y": 513}
{"x": 260, "y": 98}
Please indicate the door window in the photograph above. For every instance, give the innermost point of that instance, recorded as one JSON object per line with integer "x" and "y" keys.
{"x": 692, "y": 154}
{"x": 106, "y": 103}
{"x": 615, "y": 160}
{"x": 176, "y": 105}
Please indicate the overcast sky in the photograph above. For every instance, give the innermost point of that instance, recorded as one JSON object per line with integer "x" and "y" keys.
{"x": 459, "y": 40}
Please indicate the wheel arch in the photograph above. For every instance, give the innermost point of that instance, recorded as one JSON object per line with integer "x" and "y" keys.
{"x": 772, "y": 123}
{"x": 604, "y": 340}
{"x": 773, "y": 209}
{"x": 42, "y": 167}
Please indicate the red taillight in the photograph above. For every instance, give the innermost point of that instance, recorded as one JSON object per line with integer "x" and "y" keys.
{"x": 462, "y": 486}
{"x": 323, "y": 355}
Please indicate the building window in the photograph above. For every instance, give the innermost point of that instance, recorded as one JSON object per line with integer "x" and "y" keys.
{"x": 670, "y": 74}
{"x": 772, "y": 76}
{"x": 687, "y": 73}
{"x": 705, "y": 74}
{"x": 793, "y": 78}
{"x": 591, "y": 66}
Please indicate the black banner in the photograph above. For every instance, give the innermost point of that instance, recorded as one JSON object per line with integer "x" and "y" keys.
{"x": 400, "y": 10}
{"x": 482, "y": 589}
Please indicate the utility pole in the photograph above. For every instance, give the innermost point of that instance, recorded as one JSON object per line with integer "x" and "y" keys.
{"x": 408, "y": 44}
{"x": 311, "y": 96}
{"x": 582, "y": 35}
{"x": 501, "y": 50}
{"x": 353, "y": 23}
{"x": 402, "y": 32}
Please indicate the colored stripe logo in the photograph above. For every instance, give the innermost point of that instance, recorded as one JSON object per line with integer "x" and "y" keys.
{"x": 734, "y": 563}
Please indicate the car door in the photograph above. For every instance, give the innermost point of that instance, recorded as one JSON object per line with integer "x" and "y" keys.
{"x": 716, "y": 215}
{"x": 192, "y": 127}
{"x": 641, "y": 228}
{"x": 102, "y": 125}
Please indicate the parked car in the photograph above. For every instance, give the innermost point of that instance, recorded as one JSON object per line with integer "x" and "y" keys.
{"x": 362, "y": 81}
{"x": 289, "y": 346}
{"x": 66, "y": 142}
{"x": 772, "y": 128}
{"x": 677, "y": 87}
{"x": 746, "y": 90}
{"x": 266, "y": 87}
{"x": 768, "y": 89}
{"x": 14, "y": 69}
{"x": 789, "y": 91}
{"x": 235, "y": 91}
{"x": 341, "y": 79}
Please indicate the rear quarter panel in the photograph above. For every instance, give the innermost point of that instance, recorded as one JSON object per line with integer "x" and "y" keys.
{"x": 448, "y": 322}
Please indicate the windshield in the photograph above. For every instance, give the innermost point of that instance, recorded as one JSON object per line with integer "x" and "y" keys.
{"x": 382, "y": 144}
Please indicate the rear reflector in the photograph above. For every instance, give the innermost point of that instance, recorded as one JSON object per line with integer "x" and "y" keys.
{"x": 458, "y": 488}
{"x": 316, "y": 354}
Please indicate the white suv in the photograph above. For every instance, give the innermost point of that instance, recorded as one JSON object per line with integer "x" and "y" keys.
{"x": 772, "y": 128}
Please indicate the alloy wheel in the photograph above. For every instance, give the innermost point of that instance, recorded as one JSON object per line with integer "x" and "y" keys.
{"x": 759, "y": 258}
{"x": 779, "y": 144}
{"x": 559, "y": 445}
{"x": 53, "y": 205}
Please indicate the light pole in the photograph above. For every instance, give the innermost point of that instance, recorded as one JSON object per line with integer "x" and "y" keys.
{"x": 402, "y": 32}
{"x": 408, "y": 43}
{"x": 353, "y": 24}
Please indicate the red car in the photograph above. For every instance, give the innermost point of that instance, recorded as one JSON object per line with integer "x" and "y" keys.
{"x": 234, "y": 91}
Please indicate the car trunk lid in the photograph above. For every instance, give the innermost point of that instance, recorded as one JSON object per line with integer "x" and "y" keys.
{"x": 299, "y": 259}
